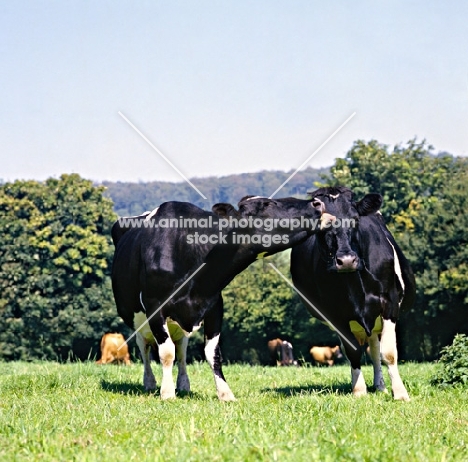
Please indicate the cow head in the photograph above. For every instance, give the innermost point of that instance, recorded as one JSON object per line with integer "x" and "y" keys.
{"x": 288, "y": 208}
{"x": 265, "y": 207}
{"x": 336, "y": 352}
{"x": 339, "y": 242}
{"x": 276, "y": 224}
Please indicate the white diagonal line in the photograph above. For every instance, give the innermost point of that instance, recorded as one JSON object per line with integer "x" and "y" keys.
{"x": 162, "y": 155}
{"x": 162, "y": 305}
{"x": 313, "y": 306}
{"x": 316, "y": 151}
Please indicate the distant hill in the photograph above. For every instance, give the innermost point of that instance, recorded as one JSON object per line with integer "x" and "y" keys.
{"x": 134, "y": 198}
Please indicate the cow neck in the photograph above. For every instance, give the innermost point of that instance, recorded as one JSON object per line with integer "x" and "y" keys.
{"x": 222, "y": 264}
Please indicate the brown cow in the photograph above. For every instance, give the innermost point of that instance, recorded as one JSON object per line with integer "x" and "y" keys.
{"x": 281, "y": 353}
{"x": 326, "y": 355}
{"x": 110, "y": 352}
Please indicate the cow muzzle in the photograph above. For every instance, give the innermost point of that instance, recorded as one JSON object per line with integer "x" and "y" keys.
{"x": 347, "y": 262}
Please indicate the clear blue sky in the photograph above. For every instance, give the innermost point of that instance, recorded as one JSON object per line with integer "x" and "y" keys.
{"x": 223, "y": 87}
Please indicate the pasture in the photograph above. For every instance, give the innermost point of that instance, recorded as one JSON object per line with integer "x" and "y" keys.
{"x": 87, "y": 412}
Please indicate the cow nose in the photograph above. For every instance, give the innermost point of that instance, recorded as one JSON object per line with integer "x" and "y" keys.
{"x": 347, "y": 262}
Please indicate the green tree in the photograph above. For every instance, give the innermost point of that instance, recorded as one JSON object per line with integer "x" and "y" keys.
{"x": 55, "y": 295}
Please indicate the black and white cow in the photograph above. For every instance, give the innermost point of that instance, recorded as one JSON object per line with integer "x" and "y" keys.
{"x": 152, "y": 264}
{"x": 357, "y": 278}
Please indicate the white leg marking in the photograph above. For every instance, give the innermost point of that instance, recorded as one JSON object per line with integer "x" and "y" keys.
{"x": 224, "y": 392}
{"x": 166, "y": 355}
{"x": 358, "y": 383}
{"x": 390, "y": 358}
{"x": 149, "y": 381}
{"x": 183, "y": 382}
{"x": 374, "y": 346}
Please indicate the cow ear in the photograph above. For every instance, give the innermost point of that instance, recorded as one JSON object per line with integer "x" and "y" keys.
{"x": 224, "y": 210}
{"x": 369, "y": 204}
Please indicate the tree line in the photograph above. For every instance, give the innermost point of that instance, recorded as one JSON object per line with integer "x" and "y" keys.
{"x": 55, "y": 294}
{"x": 135, "y": 198}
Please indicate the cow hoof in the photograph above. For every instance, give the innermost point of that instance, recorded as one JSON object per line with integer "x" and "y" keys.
{"x": 226, "y": 396}
{"x": 183, "y": 389}
{"x": 183, "y": 385}
{"x": 150, "y": 385}
{"x": 402, "y": 397}
{"x": 359, "y": 393}
{"x": 381, "y": 389}
{"x": 168, "y": 395}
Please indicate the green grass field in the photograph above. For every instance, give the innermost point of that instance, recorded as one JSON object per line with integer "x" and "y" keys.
{"x": 84, "y": 412}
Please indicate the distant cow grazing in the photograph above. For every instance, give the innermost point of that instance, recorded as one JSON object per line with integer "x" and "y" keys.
{"x": 168, "y": 279}
{"x": 358, "y": 278}
{"x": 114, "y": 350}
{"x": 281, "y": 353}
{"x": 325, "y": 355}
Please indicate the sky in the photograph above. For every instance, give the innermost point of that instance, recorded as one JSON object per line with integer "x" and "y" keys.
{"x": 223, "y": 87}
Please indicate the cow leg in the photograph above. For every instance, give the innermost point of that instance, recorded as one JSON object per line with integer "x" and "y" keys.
{"x": 213, "y": 322}
{"x": 390, "y": 357}
{"x": 213, "y": 356}
{"x": 159, "y": 330}
{"x": 374, "y": 347}
{"x": 166, "y": 350}
{"x": 183, "y": 382}
{"x": 354, "y": 355}
{"x": 357, "y": 382}
{"x": 148, "y": 377}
